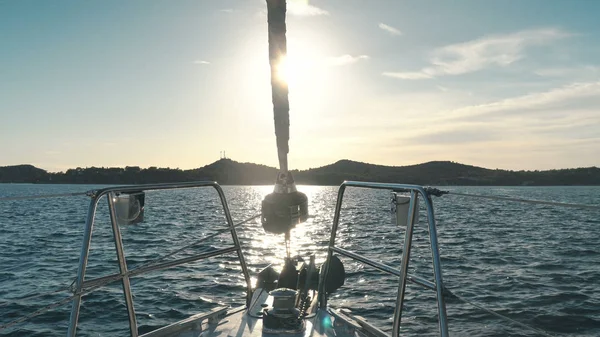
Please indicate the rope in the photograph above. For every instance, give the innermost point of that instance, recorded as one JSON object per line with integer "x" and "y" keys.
{"x": 104, "y": 283}
{"x": 12, "y": 301}
{"x": 529, "y": 201}
{"x": 56, "y": 304}
{"x": 37, "y": 313}
{"x": 179, "y": 250}
{"x": 450, "y": 294}
{"x": 42, "y": 196}
{"x": 247, "y": 220}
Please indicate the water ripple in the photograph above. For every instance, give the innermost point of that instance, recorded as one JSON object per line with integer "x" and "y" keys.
{"x": 537, "y": 264}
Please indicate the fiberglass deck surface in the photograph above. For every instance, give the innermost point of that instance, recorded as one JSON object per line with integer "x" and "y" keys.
{"x": 238, "y": 323}
{"x": 242, "y": 325}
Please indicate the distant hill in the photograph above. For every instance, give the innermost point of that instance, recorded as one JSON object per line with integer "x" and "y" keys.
{"x": 430, "y": 173}
{"x": 445, "y": 173}
{"x": 229, "y": 172}
{"x": 22, "y": 174}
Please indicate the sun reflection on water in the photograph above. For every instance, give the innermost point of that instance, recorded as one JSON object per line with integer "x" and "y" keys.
{"x": 266, "y": 248}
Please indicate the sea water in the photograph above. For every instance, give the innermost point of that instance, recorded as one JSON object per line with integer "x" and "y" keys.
{"x": 538, "y": 264}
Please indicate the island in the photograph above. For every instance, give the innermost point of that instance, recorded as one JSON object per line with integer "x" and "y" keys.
{"x": 230, "y": 172}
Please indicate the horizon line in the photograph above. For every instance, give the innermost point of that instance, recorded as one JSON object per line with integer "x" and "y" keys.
{"x": 307, "y": 169}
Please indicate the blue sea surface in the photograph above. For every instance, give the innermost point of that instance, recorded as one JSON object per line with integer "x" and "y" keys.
{"x": 537, "y": 264}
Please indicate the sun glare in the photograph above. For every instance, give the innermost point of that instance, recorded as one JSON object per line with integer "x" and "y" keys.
{"x": 283, "y": 70}
{"x": 295, "y": 70}
{"x": 305, "y": 69}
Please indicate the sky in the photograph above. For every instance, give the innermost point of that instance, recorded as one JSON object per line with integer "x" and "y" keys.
{"x": 498, "y": 84}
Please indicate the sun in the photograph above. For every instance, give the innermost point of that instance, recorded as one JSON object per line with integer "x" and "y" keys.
{"x": 295, "y": 70}
{"x": 283, "y": 69}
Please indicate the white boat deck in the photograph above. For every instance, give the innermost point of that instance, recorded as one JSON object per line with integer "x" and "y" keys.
{"x": 236, "y": 322}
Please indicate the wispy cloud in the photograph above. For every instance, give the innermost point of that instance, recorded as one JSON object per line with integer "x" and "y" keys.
{"x": 201, "y": 62}
{"x": 578, "y": 71}
{"x": 303, "y": 8}
{"x": 552, "y": 126}
{"x": 226, "y": 10}
{"x": 415, "y": 75}
{"x": 459, "y": 135}
{"x": 390, "y": 29}
{"x": 475, "y": 55}
{"x": 554, "y": 98}
{"x": 346, "y": 59}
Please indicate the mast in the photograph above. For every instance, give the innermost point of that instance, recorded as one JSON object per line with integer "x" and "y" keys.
{"x": 285, "y": 207}
{"x": 276, "y": 10}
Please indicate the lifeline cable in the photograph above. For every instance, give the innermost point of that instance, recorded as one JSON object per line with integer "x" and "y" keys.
{"x": 103, "y": 283}
{"x": 450, "y": 294}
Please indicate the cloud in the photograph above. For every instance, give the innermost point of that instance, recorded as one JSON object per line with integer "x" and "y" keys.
{"x": 541, "y": 140}
{"x": 580, "y": 71}
{"x": 201, "y": 62}
{"x": 303, "y": 8}
{"x": 346, "y": 59}
{"x": 475, "y": 55}
{"x": 390, "y": 29}
{"x": 226, "y": 10}
{"x": 555, "y": 127}
{"x": 460, "y": 135}
{"x": 554, "y": 98}
{"x": 408, "y": 75}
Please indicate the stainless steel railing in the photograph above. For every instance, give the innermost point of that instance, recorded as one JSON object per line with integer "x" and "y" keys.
{"x": 437, "y": 285}
{"x": 125, "y": 274}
